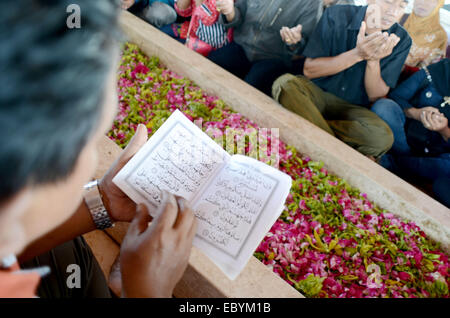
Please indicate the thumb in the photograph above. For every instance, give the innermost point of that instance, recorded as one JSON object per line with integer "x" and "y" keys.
{"x": 136, "y": 143}
{"x": 140, "y": 222}
{"x": 299, "y": 28}
{"x": 362, "y": 30}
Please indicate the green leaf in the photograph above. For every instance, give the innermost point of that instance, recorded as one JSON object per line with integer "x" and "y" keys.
{"x": 310, "y": 286}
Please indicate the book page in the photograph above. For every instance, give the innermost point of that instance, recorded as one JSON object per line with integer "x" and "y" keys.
{"x": 237, "y": 209}
{"x": 178, "y": 158}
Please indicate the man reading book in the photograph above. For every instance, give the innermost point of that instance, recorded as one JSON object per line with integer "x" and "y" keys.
{"x": 57, "y": 100}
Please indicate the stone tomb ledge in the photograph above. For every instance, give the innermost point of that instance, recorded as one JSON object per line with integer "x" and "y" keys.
{"x": 202, "y": 278}
{"x": 382, "y": 187}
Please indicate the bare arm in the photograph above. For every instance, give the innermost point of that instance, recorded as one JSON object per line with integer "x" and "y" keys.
{"x": 327, "y": 66}
{"x": 376, "y": 87}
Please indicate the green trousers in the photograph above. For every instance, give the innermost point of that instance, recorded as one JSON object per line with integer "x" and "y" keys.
{"x": 357, "y": 126}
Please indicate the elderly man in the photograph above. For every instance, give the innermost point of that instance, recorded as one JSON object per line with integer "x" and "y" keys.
{"x": 354, "y": 57}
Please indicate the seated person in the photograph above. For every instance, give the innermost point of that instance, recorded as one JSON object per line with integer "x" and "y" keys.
{"x": 268, "y": 36}
{"x": 203, "y": 33}
{"x": 428, "y": 35}
{"x": 329, "y": 3}
{"x": 354, "y": 57}
{"x": 418, "y": 115}
{"x": 155, "y": 12}
{"x": 55, "y": 107}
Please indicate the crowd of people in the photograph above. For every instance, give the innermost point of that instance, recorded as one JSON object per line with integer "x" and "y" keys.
{"x": 354, "y": 71}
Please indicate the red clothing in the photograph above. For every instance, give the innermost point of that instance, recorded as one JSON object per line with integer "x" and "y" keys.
{"x": 204, "y": 15}
{"x": 14, "y": 285}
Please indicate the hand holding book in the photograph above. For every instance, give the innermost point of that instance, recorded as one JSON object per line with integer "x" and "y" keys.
{"x": 236, "y": 199}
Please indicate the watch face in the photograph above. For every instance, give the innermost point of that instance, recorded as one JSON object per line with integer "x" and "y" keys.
{"x": 88, "y": 186}
{"x": 93, "y": 198}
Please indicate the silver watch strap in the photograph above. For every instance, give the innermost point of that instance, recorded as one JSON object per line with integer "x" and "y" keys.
{"x": 94, "y": 202}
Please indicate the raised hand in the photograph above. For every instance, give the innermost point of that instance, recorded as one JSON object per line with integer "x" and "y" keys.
{"x": 432, "y": 119}
{"x": 119, "y": 206}
{"x": 386, "y": 48}
{"x": 154, "y": 257}
{"x": 367, "y": 45}
{"x": 291, "y": 36}
{"x": 225, "y": 7}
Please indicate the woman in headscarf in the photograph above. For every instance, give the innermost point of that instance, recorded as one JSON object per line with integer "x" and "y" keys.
{"x": 429, "y": 37}
{"x": 418, "y": 114}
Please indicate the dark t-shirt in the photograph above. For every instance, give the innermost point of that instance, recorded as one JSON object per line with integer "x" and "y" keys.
{"x": 337, "y": 33}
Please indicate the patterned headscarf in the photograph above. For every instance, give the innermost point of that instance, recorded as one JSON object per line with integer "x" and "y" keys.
{"x": 429, "y": 37}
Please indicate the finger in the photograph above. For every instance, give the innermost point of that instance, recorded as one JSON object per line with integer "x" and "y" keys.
{"x": 425, "y": 120}
{"x": 362, "y": 31}
{"x": 284, "y": 31}
{"x": 185, "y": 216}
{"x": 283, "y": 35}
{"x": 136, "y": 143}
{"x": 429, "y": 118}
{"x": 139, "y": 223}
{"x": 168, "y": 211}
{"x": 381, "y": 47}
{"x": 374, "y": 47}
{"x": 436, "y": 119}
{"x": 298, "y": 29}
{"x": 392, "y": 41}
{"x": 388, "y": 46}
{"x": 290, "y": 36}
{"x": 375, "y": 39}
{"x": 432, "y": 109}
{"x": 374, "y": 43}
{"x": 295, "y": 35}
{"x": 192, "y": 230}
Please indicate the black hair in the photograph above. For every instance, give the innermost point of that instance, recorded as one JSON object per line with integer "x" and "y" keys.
{"x": 52, "y": 84}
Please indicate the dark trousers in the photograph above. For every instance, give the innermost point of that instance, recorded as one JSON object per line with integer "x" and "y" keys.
{"x": 171, "y": 30}
{"x": 404, "y": 163}
{"x": 93, "y": 282}
{"x": 260, "y": 74}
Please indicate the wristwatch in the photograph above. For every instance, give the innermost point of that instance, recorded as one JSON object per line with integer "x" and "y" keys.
{"x": 94, "y": 201}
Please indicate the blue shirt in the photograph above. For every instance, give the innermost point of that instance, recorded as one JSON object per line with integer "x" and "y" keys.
{"x": 337, "y": 33}
{"x": 418, "y": 92}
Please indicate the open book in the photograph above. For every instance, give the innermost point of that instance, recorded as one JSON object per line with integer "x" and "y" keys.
{"x": 236, "y": 199}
